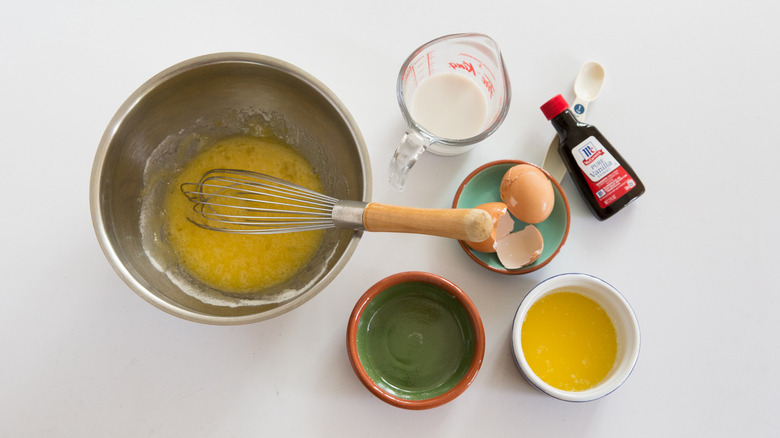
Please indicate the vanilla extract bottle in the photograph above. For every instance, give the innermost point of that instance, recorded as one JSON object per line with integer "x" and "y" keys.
{"x": 604, "y": 179}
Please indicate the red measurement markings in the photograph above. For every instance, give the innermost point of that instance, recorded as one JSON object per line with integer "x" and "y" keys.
{"x": 465, "y": 66}
{"x": 410, "y": 71}
{"x": 468, "y": 67}
{"x": 488, "y": 85}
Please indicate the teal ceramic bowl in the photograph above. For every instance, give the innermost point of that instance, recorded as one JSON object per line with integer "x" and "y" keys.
{"x": 415, "y": 340}
{"x": 483, "y": 185}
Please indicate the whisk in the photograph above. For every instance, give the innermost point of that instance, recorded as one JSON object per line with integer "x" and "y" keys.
{"x": 246, "y": 202}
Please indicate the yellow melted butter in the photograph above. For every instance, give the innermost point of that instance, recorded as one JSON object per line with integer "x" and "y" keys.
{"x": 569, "y": 341}
{"x": 240, "y": 263}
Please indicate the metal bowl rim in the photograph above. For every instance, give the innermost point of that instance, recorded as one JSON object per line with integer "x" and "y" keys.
{"x": 127, "y": 107}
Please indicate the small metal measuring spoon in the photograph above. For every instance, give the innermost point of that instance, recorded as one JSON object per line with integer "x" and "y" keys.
{"x": 587, "y": 87}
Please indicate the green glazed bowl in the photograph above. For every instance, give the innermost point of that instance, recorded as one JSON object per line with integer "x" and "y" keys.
{"x": 483, "y": 185}
{"x": 415, "y": 340}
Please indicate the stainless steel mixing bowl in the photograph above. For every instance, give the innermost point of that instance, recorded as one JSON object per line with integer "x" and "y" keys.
{"x": 173, "y": 116}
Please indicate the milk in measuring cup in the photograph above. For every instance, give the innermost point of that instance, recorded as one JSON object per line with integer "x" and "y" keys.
{"x": 450, "y": 105}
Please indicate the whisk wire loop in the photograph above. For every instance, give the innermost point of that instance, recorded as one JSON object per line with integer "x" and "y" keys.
{"x": 245, "y": 202}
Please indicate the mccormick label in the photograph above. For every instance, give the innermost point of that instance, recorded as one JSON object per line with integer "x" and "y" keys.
{"x": 607, "y": 179}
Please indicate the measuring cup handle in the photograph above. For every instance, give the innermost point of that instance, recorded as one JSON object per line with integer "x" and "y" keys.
{"x": 413, "y": 144}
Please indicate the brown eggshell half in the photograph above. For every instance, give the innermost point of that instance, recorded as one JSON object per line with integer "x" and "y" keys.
{"x": 528, "y": 193}
{"x": 496, "y": 210}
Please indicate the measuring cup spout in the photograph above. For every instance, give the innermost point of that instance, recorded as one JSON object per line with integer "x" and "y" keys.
{"x": 413, "y": 144}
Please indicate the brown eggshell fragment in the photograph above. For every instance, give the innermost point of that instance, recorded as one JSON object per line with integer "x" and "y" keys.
{"x": 520, "y": 248}
{"x": 498, "y": 212}
{"x": 528, "y": 193}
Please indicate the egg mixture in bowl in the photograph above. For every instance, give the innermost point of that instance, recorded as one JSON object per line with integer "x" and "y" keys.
{"x": 188, "y": 110}
{"x": 229, "y": 269}
{"x": 240, "y": 263}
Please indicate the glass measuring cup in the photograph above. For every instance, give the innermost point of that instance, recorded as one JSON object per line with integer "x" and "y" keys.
{"x": 453, "y": 93}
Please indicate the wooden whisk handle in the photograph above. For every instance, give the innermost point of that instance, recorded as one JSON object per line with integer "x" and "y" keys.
{"x": 473, "y": 225}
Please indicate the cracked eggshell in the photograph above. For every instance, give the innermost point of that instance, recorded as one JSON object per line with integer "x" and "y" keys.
{"x": 482, "y": 185}
{"x": 520, "y": 248}
{"x": 502, "y": 225}
{"x": 528, "y": 193}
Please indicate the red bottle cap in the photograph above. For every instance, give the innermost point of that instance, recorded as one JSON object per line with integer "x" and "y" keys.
{"x": 554, "y": 106}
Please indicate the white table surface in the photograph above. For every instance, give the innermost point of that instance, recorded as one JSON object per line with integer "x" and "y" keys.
{"x": 690, "y": 100}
